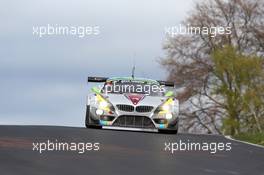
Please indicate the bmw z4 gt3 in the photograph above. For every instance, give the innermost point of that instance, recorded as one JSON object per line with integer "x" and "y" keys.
{"x": 127, "y": 103}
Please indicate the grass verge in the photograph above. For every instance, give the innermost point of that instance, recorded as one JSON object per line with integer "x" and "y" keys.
{"x": 257, "y": 138}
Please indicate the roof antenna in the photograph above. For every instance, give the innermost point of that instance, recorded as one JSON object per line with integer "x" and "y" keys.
{"x": 133, "y": 72}
{"x": 133, "y": 69}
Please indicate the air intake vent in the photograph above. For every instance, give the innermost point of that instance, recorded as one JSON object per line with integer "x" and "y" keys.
{"x": 144, "y": 108}
{"x": 127, "y": 108}
{"x": 133, "y": 121}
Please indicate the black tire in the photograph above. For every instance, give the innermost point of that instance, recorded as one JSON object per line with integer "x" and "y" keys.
{"x": 168, "y": 131}
{"x": 172, "y": 130}
{"x": 88, "y": 121}
{"x": 87, "y": 118}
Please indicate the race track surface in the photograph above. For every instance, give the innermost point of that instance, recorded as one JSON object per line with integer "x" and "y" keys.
{"x": 121, "y": 152}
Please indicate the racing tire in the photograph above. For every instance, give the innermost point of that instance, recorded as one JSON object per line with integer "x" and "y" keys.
{"x": 169, "y": 131}
{"x": 88, "y": 121}
{"x": 173, "y": 130}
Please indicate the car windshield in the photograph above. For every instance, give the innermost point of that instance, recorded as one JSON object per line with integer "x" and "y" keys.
{"x": 121, "y": 87}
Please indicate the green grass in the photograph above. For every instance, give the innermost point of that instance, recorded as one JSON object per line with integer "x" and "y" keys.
{"x": 257, "y": 138}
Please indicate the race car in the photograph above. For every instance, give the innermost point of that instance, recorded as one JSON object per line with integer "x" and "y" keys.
{"x": 129, "y": 103}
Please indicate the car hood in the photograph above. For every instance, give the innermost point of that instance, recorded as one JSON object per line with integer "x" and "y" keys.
{"x": 146, "y": 100}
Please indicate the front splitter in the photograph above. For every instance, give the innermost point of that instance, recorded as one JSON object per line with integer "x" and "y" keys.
{"x": 130, "y": 129}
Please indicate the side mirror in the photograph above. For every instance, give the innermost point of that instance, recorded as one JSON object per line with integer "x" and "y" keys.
{"x": 96, "y": 90}
{"x": 169, "y": 94}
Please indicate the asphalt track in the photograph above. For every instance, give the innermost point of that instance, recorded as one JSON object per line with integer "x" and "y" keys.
{"x": 121, "y": 152}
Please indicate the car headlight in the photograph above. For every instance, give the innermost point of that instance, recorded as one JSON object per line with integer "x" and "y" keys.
{"x": 168, "y": 116}
{"x": 99, "y": 112}
{"x": 103, "y": 104}
{"x": 166, "y": 108}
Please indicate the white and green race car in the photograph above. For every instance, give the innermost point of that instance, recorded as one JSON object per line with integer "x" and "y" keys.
{"x": 137, "y": 104}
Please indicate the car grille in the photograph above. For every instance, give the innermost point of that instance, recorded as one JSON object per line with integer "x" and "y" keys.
{"x": 133, "y": 121}
{"x": 127, "y": 108}
{"x": 144, "y": 108}
{"x": 130, "y": 108}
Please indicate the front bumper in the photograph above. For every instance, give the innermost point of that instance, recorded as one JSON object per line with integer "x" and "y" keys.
{"x": 130, "y": 129}
{"x": 139, "y": 121}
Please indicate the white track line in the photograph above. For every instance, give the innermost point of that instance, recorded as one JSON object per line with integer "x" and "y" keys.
{"x": 230, "y": 138}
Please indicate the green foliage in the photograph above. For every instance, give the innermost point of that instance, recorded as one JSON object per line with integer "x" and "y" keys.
{"x": 257, "y": 138}
{"x": 239, "y": 79}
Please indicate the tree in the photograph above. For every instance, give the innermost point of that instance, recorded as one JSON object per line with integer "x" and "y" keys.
{"x": 189, "y": 63}
{"x": 239, "y": 79}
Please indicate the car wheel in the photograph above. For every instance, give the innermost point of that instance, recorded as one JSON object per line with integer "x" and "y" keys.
{"x": 88, "y": 121}
{"x": 87, "y": 118}
{"x": 168, "y": 131}
{"x": 173, "y": 130}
